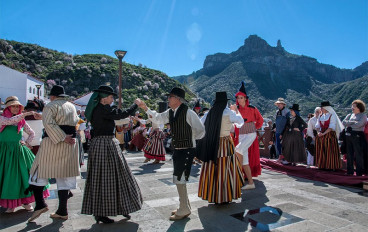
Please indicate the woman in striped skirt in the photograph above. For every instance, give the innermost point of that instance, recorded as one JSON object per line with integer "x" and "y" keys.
{"x": 221, "y": 176}
{"x": 329, "y": 127}
{"x": 110, "y": 188}
{"x": 154, "y": 146}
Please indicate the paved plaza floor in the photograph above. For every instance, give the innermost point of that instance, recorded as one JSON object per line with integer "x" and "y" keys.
{"x": 279, "y": 203}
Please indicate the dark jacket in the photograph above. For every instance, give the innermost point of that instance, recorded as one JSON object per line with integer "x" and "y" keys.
{"x": 298, "y": 123}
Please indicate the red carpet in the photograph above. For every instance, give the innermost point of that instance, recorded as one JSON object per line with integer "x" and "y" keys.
{"x": 337, "y": 177}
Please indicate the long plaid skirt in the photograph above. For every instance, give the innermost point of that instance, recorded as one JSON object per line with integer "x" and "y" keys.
{"x": 110, "y": 188}
{"x": 221, "y": 181}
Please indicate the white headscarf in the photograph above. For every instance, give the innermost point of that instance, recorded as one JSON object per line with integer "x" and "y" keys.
{"x": 339, "y": 126}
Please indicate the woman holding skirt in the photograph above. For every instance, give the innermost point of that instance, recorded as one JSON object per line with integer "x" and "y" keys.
{"x": 154, "y": 146}
{"x": 110, "y": 188}
{"x": 292, "y": 142}
{"x": 221, "y": 177}
{"x": 329, "y": 127}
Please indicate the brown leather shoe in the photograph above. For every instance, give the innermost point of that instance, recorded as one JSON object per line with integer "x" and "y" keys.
{"x": 177, "y": 218}
{"x": 146, "y": 160}
{"x": 55, "y": 215}
{"x": 37, "y": 213}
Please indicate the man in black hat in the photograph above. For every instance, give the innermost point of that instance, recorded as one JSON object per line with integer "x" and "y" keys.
{"x": 58, "y": 156}
{"x": 185, "y": 129}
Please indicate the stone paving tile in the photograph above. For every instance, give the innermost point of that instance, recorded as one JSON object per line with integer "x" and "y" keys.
{"x": 351, "y": 228}
{"x": 304, "y": 226}
{"x": 343, "y": 209}
{"x": 322, "y": 218}
{"x": 353, "y": 216}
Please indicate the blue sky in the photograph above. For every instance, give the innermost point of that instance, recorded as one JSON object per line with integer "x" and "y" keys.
{"x": 176, "y": 36}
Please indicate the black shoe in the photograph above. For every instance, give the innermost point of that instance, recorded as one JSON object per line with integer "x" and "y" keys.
{"x": 104, "y": 220}
{"x": 127, "y": 216}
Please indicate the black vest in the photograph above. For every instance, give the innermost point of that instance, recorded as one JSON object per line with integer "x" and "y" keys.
{"x": 181, "y": 131}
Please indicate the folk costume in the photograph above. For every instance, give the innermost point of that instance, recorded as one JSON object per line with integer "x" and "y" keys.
{"x": 221, "y": 176}
{"x": 56, "y": 158}
{"x": 186, "y": 128}
{"x": 15, "y": 159}
{"x": 154, "y": 146}
{"x": 292, "y": 140}
{"x": 327, "y": 148}
{"x": 247, "y": 141}
{"x": 111, "y": 188}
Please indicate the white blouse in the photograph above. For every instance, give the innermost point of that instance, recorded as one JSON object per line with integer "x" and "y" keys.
{"x": 324, "y": 117}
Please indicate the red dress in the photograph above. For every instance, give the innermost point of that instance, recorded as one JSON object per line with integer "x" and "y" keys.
{"x": 252, "y": 114}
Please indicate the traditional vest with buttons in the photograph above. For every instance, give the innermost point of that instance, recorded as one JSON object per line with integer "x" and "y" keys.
{"x": 181, "y": 131}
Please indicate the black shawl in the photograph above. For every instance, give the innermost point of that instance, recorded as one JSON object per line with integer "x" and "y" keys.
{"x": 208, "y": 146}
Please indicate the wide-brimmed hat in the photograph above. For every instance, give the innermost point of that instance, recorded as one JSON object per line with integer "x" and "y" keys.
{"x": 58, "y": 91}
{"x": 12, "y": 100}
{"x": 325, "y": 103}
{"x": 280, "y": 100}
{"x": 179, "y": 92}
{"x": 105, "y": 89}
{"x": 295, "y": 107}
{"x": 221, "y": 97}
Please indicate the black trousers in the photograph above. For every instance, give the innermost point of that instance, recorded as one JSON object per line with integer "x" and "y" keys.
{"x": 355, "y": 149}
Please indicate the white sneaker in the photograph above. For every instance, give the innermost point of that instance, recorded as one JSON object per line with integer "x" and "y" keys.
{"x": 249, "y": 186}
{"x": 284, "y": 162}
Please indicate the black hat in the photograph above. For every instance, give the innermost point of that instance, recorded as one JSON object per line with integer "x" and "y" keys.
{"x": 105, "y": 89}
{"x": 325, "y": 103}
{"x": 295, "y": 107}
{"x": 58, "y": 91}
{"x": 31, "y": 106}
{"x": 177, "y": 92}
{"x": 242, "y": 88}
{"x": 221, "y": 97}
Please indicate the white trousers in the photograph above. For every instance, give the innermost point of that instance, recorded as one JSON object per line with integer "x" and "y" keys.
{"x": 245, "y": 141}
{"x": 62, "y": 183}
{"x": 310, "y": 159}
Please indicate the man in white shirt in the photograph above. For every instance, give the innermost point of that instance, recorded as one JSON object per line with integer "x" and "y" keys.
{"x": 186, "y": 128}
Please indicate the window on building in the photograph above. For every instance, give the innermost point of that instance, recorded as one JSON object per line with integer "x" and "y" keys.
{"x": 34, "y": 91}
{"x": 30, "y": 89}
{"x": 40, "y": 93}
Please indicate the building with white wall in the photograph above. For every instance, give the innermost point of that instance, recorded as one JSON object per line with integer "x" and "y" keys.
{"x": 22, "y": 85}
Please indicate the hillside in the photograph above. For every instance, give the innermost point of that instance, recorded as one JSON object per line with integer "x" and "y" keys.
{"x": 81, "y": 73}
{"x": 272, "y": 72}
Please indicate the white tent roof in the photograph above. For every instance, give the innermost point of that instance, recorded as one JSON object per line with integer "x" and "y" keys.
{"x": 82, "y": 101}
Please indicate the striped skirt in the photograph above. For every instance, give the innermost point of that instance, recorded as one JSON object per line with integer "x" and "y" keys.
{"x": 110, "y": 188}
{"x": 327, "y": 152}
{"x": 154, "y": 146}
{"x": 221, "y": 182}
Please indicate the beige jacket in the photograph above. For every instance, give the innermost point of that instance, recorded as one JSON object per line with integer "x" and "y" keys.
{"x": 55, "y": 158}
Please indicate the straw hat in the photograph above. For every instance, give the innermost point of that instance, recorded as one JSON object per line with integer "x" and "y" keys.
{"x": 12, "y": 100}
{"x": 280, "y": 100}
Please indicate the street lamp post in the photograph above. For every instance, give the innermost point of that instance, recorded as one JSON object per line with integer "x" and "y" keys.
{"x": 120, "y": 55}
{"x": 38, "y": 91}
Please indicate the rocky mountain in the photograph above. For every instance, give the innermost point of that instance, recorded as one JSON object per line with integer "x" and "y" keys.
{"x": 272, "y": 72}
{"x": 81, "y": 73}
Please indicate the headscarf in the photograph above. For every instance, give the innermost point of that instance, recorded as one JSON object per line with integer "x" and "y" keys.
{"x": 339, "y": 126}
{"x": 92, "y": 103}
{"x": 209, "y": 145}
{"x": 8, "y": 114}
